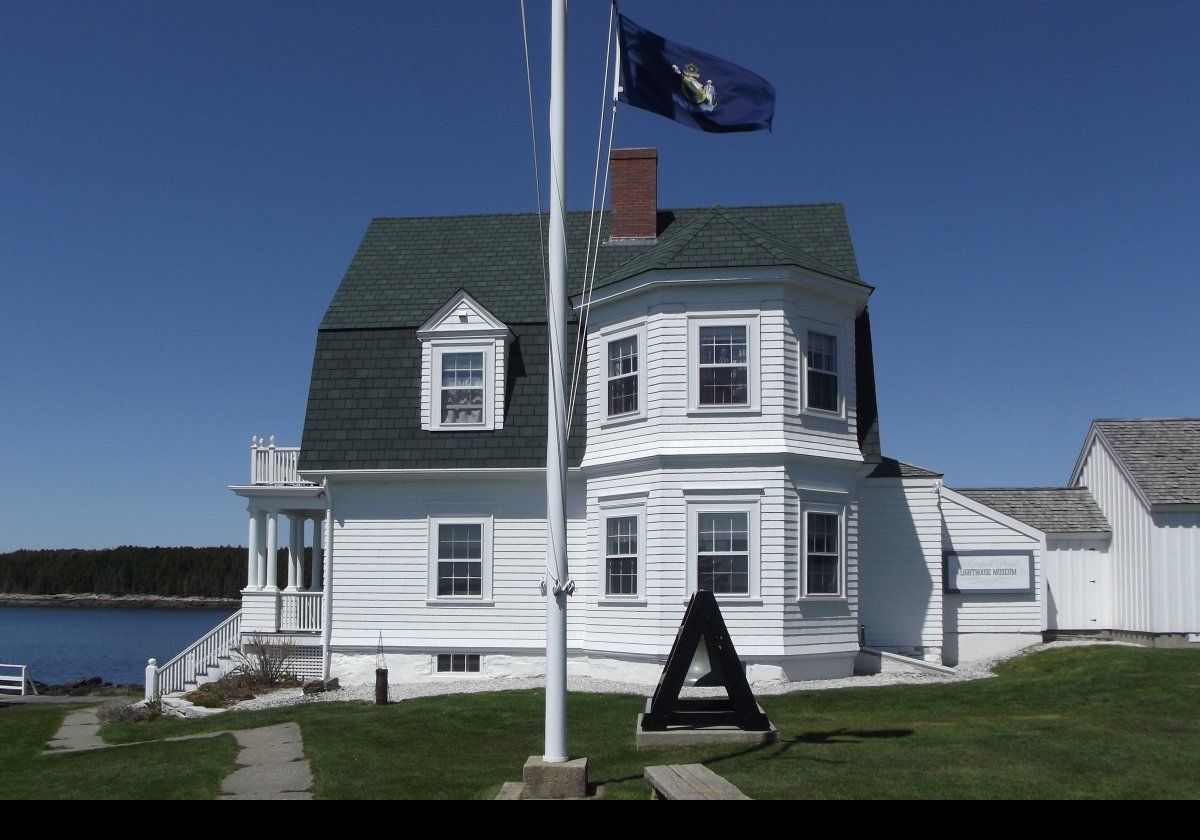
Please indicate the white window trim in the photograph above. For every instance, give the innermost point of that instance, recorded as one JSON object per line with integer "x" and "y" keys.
{"x": 613, "y": 509}
{"x": 802, "y": 345}
{"x": 455, "y": 675}
{"x": 837, "y": 510}
{"x": 726, "y": 504}
{"x": 606, "y": 338}
{"x": 753, "y": 374}
{"x": 484, "y": 598}
{"x": 440, "y": 348}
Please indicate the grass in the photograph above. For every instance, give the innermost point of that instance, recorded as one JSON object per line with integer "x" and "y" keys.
{"x": 1100, "y": 722}
{"x": 189, "y": 770}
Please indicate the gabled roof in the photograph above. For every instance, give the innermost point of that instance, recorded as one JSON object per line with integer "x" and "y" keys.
{"x": 891, "y": 468}
{"x": 720, "y": 238}
{"x": 1052, "y": 510}
{"x": 405, "y": 268}
{"x": 1161, "y": 456}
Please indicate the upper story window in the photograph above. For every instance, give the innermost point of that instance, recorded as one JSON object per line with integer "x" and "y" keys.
{"x": 724, "y": 366}
{"x": 462, "y": 388}
{"x": 724, "y": 362}
{"x": 623, "y": 376}
{"x": 821, "y": 381}
{"x": 463, "y": 365}
{"x": 823, "y": 551}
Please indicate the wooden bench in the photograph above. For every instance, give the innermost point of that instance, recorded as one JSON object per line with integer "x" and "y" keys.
{"x": 16, "y": 683}
{"x": 689, "y": 781}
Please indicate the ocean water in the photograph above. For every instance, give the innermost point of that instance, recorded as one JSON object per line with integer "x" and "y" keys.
{"x": 60, "y": 644}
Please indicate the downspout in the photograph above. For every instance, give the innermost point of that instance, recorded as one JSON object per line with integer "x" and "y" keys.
{"x": 327, "y": 622}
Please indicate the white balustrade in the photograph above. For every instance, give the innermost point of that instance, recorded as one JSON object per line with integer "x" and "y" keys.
{"x": 301, "y": 612}
{"x": 271, "y": 464}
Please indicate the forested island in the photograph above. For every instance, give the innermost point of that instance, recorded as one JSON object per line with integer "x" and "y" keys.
{"x": 127, "y": 576}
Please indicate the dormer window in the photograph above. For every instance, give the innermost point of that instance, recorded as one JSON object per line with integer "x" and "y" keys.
{"x": 463, "y": 350}
{"x": 462, "y": 388}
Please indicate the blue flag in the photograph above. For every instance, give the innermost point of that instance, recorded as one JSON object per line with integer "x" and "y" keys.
{"x": 690, "y": 86}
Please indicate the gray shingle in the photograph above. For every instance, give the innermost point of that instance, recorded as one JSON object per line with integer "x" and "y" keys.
{"x": 1053, "y": 510}
{"x": 1162, "y": 456}
{"x": 891, "y": 468}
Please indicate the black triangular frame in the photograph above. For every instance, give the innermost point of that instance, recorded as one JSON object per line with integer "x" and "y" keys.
{"x": 702, "y": 620}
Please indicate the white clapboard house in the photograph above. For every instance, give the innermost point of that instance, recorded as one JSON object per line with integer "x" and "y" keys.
{"x": 724, "y": 436}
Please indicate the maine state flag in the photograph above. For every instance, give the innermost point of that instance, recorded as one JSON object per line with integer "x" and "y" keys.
{"x": 690, "y": 86}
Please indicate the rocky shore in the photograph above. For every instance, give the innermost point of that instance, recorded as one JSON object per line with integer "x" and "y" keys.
{"x": 158, "y": 602}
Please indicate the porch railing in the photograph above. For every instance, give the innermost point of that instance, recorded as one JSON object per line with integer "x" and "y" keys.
{"x": 271, "y": 464}
{"x": 193, "y": 662}
{"x": 301, "y": 612}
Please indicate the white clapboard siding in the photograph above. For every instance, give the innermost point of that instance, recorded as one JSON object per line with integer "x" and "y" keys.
{"x": 775, "y": 623}
{"x": 668, "y": 426}
{"x": 1177, "y": 571}
{"x": 1132, "y": 546}
{"x": 967, "y": 529}
{"x": 900, "y": 559}
{"x": 1077, "y": 593}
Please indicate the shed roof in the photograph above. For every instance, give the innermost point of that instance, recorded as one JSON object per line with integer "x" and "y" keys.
{"x": 1052, "y": 510}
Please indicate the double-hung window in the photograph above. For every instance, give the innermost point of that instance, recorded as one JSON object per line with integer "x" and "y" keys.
{"x": 723, "y": 553}
{"x": 623, "y": 376}
{"x": 724, "y": 366}
{"x": 462, "y": 388}
{"x": 460, "y": 560}
{"x": 821, "y": 383}
{"x": 823, "y": 552}
{"x": 621, "y": 555}
{"x": 723, "y": 362}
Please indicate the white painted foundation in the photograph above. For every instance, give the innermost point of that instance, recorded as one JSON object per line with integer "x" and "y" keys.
{"x": 972, "y": 647}
{"x": 359, "y": 668}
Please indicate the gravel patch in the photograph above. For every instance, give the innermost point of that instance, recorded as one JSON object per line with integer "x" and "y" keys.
{"x": 399, "y": 692}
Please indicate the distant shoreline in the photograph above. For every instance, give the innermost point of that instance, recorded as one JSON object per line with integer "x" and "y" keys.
{"x": 87, "y": 600}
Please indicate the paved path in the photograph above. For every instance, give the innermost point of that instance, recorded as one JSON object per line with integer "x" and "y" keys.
{"x": 273, "y": 765}
{"x": 271, "y": 758}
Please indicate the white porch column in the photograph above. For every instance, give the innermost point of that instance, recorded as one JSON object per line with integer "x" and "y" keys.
{"x": 252, "y": 552}
{"x": 294, "y": 521}
{"x": 260, "y": 565}
{"x": 272, "y": 582}
{"x": 318, "y": 556}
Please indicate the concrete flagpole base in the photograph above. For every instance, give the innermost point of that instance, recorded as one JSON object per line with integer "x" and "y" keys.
{"x": 541, "y": 780}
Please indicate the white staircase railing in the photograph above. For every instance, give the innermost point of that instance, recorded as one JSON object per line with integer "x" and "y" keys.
{"x": 194, "y": 661}
{"x": 300, "y": 611}
{"x": 18, "y": 682}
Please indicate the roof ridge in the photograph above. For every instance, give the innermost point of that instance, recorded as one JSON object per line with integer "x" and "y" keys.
{"x": 585, "y": 211}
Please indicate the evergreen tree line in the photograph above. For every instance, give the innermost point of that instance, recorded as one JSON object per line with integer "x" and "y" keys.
{"x": 211, "y": 572}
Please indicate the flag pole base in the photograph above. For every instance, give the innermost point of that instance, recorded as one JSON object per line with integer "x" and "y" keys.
{"x": 561, "y": 780}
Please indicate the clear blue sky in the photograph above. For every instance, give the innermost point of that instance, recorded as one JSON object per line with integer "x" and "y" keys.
{"x": 182, "y": 186}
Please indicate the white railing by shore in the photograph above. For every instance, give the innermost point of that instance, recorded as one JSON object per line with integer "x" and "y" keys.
{"x": 18, "y": 682}
{"x": 300, "y": 612}
{"x": 271, "y": 464}
{"x": 196, "y": 659}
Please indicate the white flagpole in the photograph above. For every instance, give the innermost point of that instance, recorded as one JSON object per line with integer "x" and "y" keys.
{"x": 556, "y": 422}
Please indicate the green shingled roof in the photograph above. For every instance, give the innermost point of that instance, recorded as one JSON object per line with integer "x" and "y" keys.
{"x": 405, "y": 269}
{"x": 364, "y": 402}
{"x": 719, "y": 238}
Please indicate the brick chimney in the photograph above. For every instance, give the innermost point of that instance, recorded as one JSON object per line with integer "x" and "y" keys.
{"x": 634, "y": 177}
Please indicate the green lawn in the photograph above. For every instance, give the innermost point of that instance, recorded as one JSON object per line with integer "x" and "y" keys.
{"x": 189, "y": 770}
{"x": 1068, "y": 723}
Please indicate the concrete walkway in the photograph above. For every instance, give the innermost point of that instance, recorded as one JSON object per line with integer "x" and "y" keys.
{"x": 273, "y": 765}
{"x": 271, "y": 758}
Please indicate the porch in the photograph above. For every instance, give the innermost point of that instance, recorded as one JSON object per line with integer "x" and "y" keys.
{"x": 287, "y": 525}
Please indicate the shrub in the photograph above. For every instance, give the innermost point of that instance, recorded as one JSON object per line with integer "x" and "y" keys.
{"x": 266, "y": 660}
{"x": 122, "y": 711}
{"x": 230, "y": 689}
